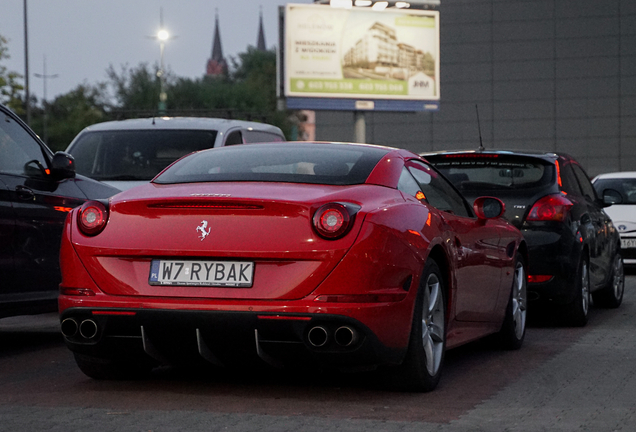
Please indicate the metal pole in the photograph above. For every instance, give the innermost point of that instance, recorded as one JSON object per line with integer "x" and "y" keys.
{"x": 360, "y": 129}
{"x": 162, "y": 82}
{"x": 26, "y": 67}
{"x": 44, "y": 76}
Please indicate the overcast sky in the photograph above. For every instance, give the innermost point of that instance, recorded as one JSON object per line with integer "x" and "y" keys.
{"x": 81, "y": 38}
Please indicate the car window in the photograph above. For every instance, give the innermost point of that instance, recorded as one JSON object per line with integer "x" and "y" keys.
{"x": 135, "y": 154}
{"x": 408, "y": 185}
{"x": 330, "y": 164}
{"x": 626, "y": 187}
{"x": 234, "y": 138}
{"x": 569, "y": 184}
{"x": 438, "y": 191}
{"x": 494, "y": 172}
{"x": 584, "y": 182}
{"x": 254, "y": 136}
{"x": 19, "y": 153}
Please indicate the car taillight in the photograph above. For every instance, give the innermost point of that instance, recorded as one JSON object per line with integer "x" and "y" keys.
{"x": 92, "y": 218}
{"x": 333, "y": 220}
{"x": 539, "y": 278}
{"x": 550, "y": 208}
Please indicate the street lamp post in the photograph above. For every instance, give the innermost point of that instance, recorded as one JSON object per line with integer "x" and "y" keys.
{"x": 44, "y": 77}
{"x": 162, "y": 36}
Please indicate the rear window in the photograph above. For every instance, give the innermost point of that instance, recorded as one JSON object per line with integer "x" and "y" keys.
{"x": 137, "y": 154}
{"x": 626, "y": 187}
{"x": 330, "y": 164}
{"x": 494, "y": 172}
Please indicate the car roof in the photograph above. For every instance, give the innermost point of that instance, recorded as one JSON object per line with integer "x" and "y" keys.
{"x": 617, "y": 175}
{"x": 184, "y": 123}
{"x": 548, "y": 156}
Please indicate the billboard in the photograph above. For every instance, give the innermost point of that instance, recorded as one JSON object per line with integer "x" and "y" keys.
{"x": 361, "y": 57}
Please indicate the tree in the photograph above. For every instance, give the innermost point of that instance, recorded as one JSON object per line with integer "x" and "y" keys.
{"x": 9, "y": 86}
{"x": 248, "y": 92}
{"x": 136, "y": 88}
{"x": 69, "y": 113}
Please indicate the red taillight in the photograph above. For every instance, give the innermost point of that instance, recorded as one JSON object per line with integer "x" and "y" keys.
{"x": 550, "y": 208}
{"x": 332, "y": 221}
{"x": 92, "y": 218}
{"x": 539, "y": 278}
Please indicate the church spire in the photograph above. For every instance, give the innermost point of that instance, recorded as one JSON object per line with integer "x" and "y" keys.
{"x": 260, "y": 44}
{"x": 216, "y": 64}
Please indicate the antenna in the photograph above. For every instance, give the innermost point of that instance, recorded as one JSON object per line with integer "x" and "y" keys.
{"x": 481, "y": 142}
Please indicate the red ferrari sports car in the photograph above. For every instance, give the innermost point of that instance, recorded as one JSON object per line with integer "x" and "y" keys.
{"x": 328, "y": 254}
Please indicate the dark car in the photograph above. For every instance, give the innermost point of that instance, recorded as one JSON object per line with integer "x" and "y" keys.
{"x": 574, "y": 248}
{"x": 37, "y": 190}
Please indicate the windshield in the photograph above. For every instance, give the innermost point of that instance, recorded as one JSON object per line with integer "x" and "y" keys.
{"x": 626, "y": 187}
{"x": 495, "y": 172}
{"x": 331, "y": 164}
{"x": 135, "y": 154}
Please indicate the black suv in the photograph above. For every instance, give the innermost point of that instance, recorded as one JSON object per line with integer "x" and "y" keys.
{"x": 574, "y": 249}
{"x": 37, "y": 190}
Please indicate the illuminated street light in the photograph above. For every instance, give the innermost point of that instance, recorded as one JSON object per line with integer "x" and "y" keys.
{"x": 162, "y": 36}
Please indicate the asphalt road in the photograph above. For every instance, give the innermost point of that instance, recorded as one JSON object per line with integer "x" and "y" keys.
{"x": 563, "y": 379}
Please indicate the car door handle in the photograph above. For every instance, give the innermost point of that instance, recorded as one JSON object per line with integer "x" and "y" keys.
{"x": 24, "y": 193}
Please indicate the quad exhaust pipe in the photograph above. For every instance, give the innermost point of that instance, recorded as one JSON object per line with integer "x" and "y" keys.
{"x": 87, "y": 328}
{"x": 318, "y": 336}
{"x": 69, "y": 327}
{"x": 344, "y": 336}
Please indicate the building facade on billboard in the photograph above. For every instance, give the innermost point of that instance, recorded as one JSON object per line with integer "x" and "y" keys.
{"x": 375, "y": 50}
{"x": 334, "y": 57}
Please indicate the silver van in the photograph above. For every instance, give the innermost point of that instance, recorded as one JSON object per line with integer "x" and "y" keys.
{"x": 128, "y": 153}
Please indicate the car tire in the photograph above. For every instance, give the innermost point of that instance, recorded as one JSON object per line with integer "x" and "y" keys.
{"x": 107, "y": 369}
{"x": 578, "y": 310}
{"x": 513, "y": 330}
{"x": 424, "y": 359}
{"x": 611, "y": 295}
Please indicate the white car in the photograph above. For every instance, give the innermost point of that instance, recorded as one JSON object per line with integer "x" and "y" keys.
{"x": 620, "y": 188}
{"x": 129, "y": 153}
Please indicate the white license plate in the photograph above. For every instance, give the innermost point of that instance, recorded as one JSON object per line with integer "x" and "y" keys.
{"x": 628, "y": 243}
{"x": 201, "y": 273}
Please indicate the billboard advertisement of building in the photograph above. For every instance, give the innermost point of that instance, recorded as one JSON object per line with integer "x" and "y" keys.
{"x": 360, "y": 53}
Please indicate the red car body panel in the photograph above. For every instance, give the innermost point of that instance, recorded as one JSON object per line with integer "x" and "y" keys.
{"x": 376, "y": 267}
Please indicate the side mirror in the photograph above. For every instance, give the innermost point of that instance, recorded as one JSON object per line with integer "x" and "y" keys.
{"x": 489, "y": 207}
{"x": 611, "y": 196}
{"x": 62, "y": 166}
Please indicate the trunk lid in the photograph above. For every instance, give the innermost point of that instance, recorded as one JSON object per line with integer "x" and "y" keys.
{"x": 268, "y": 225}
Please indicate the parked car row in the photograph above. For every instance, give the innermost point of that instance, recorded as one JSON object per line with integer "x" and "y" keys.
{"x": 332, "y": 255}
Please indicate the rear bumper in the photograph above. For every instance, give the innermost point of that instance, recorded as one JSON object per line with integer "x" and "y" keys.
{"x": 230, "y": 337}
{"x": 556, "y": 253}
